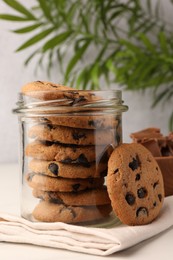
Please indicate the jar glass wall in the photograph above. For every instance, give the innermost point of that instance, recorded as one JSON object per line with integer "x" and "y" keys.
{"x": 66, "y": 140}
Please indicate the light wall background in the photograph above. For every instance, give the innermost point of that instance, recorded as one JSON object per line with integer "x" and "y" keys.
{"x": 13, "y": 75}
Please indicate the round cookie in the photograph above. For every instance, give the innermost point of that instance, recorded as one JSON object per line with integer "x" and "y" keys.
{"x": 45, "y": 90}
{"x": 67, "y": 135}
{"x": 85, "y": 120}
{"x": 81, "y": 198}
{"x": 135, "y": 184}
{"x": 51, "y": 212}
{"x": 67, "y": 153}
{"x": 58, "y": 169}
{"x": 46, "y": 183}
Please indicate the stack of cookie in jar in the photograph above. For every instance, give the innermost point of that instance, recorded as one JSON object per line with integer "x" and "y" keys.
{"x": 67, "y": 157}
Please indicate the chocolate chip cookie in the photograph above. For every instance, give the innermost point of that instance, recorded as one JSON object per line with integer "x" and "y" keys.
{"x": 58, "y": 169}
{"x": 82, "y": 121}
{"x": 68, "y": 135}
{"x": 80, "y": 198}
{"x": 44, "y": 90}
{"x": 50, "y": 151}
{"x": 47, "y": 183}
{"x": 52, "y": 212}
{"x": 135, "y": 184}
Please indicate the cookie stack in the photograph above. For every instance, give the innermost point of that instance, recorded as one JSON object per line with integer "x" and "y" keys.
{"x": 67, "y": 158}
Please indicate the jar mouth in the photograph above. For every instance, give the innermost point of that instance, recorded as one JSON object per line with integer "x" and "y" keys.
{"x": 52, "y": 102}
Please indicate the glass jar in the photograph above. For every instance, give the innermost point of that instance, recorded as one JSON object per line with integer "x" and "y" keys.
{"x": 66, "y": 140}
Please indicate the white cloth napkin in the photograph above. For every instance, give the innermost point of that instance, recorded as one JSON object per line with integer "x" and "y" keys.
{"x": 96, "y": 241}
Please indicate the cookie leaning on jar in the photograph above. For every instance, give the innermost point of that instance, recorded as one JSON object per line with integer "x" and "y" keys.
{"x": 135, "y": 184}
{"x": 65, "y": 150}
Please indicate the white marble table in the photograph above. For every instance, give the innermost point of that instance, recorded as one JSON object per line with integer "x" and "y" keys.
{"x": 159, "y": 247}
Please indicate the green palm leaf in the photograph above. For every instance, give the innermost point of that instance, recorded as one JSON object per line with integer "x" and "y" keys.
{"x": 76, "y": 58}
{"x": 10, "y": 17}
{"x": 31, "y": 56}
{"x": 27, "y": 29}
{"x": 56, "y": 40}
{"x": 35, "y": 39}
{"x": 46, "y": 10}
{"x": 20, "y": 8}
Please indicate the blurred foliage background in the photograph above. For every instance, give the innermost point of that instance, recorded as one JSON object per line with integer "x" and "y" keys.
{"x": 100, "y": 42}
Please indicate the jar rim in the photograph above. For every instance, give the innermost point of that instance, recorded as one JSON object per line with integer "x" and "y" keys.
{"x": 55, "y": 101}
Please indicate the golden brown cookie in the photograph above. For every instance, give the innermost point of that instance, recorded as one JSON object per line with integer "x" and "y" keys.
{"x": 46, "y": 183}
{"x": 67, "y": 153}
{"x": 68, "y": 135}
{"x": 44, "y": 90}
{"x": 58, "y": 169}
{"x": 80, "y": 198}
{"x": 51, "y": 212}
{"x": 85, "y": 120}
{"x": 135, "y": 184}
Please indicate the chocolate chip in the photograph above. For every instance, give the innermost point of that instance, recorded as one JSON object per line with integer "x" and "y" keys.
{"x": 77, "y": 136}
{"x": 67, "y": 160}
{"x": 72, "y": 92}
{"x": 56, "y": 200}
{"x": 142, "y": 211}
{"x": 91, "y": 123}
{"x": 30, "y": 176}
{"x": 116, "y": 170}
{"x": 70, "y": 95}
{"x": 44, "y": 120}
{"x": 80, "y": 160}
{"x": 53, "y": 168}
{"x": 83, "y": 160}
{"x": 40, "y": 81}
{"x": 53, "y": 86}
{"x": 138, "y": 176}
{"x": 142, "y": 193}
{"x": 154, "y": 204}
{"x": 157, "y": 169}
{"x": 49, "y": 126}
{"x": 47, "y": 143}
{"x": 53, "y": 197}
{"x": 78, "y": 100}
{"x": 160, "y": 197}
{"x": 130, "y": 198}
{"x": 73, "y": 146}
{"x": 76, "y": 186}
{"x": 155, "y": 184}
{"x": 135, "y": 163}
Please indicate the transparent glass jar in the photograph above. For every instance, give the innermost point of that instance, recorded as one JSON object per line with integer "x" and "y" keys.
{"x": 66, "y": 140}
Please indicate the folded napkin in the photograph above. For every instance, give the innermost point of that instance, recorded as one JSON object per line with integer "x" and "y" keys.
{"x": 91, "y": 240}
